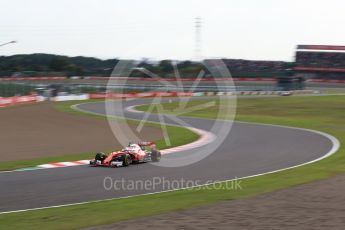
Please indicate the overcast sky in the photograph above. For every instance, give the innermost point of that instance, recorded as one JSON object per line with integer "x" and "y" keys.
{"x": 159, "y": 29}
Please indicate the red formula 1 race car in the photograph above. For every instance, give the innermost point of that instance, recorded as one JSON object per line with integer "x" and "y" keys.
{"x": 133, "y": 153}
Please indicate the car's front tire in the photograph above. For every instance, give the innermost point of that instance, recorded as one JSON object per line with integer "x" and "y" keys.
{"x": 100, "y": 157}
{"x": 127, "y": 160}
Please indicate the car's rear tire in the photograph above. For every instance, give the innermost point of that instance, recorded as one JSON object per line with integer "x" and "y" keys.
{"x": 156, "y": 156}
{"x": 127, "y": 160}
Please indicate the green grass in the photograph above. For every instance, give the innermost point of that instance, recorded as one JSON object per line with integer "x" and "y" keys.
{"x": 178, "y": 136}
{"x": 326, "y": 114}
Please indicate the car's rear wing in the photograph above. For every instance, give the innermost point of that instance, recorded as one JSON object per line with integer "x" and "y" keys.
{"x": 151, "y": 144}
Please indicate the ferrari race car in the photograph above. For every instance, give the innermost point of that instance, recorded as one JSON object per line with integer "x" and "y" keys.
{"x": 133, "y": 153}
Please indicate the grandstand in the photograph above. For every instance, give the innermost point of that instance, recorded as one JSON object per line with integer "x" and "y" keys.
{"x": 256, "y": 68}
{"x": 320, "y": 61}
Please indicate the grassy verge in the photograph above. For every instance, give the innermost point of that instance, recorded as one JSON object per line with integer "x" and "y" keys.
{"x": 320, "y": 113}
{"x": 178, "y": 136}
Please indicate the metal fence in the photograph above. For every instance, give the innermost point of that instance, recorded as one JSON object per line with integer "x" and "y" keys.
{"x": 15, "y": 89}
{"x": 8, "y": 89}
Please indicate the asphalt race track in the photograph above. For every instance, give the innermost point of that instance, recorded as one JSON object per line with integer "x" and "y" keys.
{"x": 249, "y": 149}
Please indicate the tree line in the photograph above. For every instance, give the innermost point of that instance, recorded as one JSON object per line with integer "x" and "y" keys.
{"x": 53, "y": 65}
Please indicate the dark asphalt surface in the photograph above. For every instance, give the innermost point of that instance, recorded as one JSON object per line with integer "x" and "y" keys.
{"x": 248, "y": 149}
